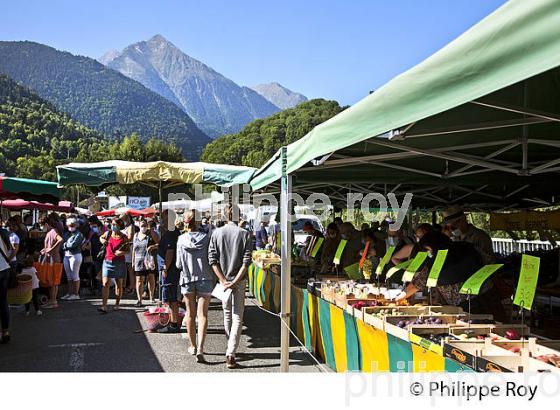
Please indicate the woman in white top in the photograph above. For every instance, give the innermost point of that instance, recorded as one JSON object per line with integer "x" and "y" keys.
{"x": 4, "y": 280}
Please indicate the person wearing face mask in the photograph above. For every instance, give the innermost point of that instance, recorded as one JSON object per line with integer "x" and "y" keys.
{"x": 410, "y": 249}
{"x": 455, "y": 222}
{"x": 72, "y": 248}
{"x": 114, "y": 267}
{"x": 144, "y": 246}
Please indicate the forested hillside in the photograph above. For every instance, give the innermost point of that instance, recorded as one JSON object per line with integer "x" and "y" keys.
{"x": 35, "y": 137}
{"x": 99, "y": 97}
{"x": 259, "y": 140}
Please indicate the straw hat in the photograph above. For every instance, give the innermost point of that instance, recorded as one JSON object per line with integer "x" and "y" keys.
{"x": 452, "y": 214}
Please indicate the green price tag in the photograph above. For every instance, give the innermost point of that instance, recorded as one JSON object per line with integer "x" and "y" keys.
{"x": 472, "y": 285}
{"x": 353, "y": 271}
{"x": 317, "y": 246}
{"x": 527, "y": 284}
{"x": 436, "y": 268}
{"x": 414, "y": 266}
{"x": 385, "y": 260}
{"x": 395, "y": 269}
{"x": 339, "y": 250}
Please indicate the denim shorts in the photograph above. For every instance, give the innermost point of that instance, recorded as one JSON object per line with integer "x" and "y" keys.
{"x": 200, "y": 287}
{"x": 115, "y": 269}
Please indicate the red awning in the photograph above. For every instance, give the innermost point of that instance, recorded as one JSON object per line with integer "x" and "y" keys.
{"x": 19, "y": 204}
{"x": 128, "y": 211}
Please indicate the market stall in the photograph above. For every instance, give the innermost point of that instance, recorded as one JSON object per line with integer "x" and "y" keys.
{"x": 351, "y": 326}
{"x": 477, "y": 123}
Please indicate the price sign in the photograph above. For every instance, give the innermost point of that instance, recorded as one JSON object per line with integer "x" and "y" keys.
{"x": 385, "y": 260}
{"x": 339, "y": 250}
{"x": 395, "y": 269}
{"x": 317, "y": 246}
{"x": 472, "y": 285}
{"x": 414, "y": 266}
{"x": 353, "y": 271}
{"x": 527, "y": 283}
{"x": 436, "y": 268}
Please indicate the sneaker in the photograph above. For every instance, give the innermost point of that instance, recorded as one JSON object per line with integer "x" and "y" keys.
{"x": 50, "y": 305}
{"x": 39, "y": 313}
{"x": 74, "y": 297}
{"x": 27, "y": 313}
{"x": 170, "y": 328}
{"x": 192, "y": 350}
{"x": 66, "y": 297}
{"x": 200, "y": 358}
{"x": 230, "y": 362}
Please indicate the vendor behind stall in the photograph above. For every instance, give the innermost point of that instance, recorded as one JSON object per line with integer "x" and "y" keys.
{"x": 332, "y": 239}
{"x": 313, "y": 236}
{"x": 462, "y": 261}
{"x": 351, "y": 253}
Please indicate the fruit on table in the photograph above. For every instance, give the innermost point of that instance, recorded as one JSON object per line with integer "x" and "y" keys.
{"x": 363, "y": 303}
{"x": 512, "y": 335}
{"x": 515, "y": 349}
{"x": 552, "y": 359}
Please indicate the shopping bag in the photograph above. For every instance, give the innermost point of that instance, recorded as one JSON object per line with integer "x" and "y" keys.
{"x": 48, "y": 272}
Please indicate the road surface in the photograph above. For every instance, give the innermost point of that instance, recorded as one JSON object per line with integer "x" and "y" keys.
{"x": 76, "y": 338}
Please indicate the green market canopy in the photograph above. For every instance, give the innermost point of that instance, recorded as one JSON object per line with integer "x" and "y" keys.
{"x": 151, "y": 173}
{"x": 477, "y": 123}
{"x": 28, "y": 189}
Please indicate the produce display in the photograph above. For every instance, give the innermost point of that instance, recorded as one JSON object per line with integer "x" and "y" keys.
{"x": 266, "y": 258}
{"x": 552, "y": 359}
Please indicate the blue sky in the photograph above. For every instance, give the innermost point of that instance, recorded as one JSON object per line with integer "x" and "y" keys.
{"x": 323, "y": 48}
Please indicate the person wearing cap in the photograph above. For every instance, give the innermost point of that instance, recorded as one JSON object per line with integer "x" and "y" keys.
{"x": 72, "y": 248}
{"x": 455, "y": 223}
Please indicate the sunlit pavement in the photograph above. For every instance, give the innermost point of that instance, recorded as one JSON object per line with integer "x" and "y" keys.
{"x": 76, "y": 338}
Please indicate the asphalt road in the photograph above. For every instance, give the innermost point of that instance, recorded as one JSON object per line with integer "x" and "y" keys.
{"x": 76, "y": 338}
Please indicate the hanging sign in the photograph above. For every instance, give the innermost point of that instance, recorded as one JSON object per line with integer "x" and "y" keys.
{"x": 436, "y": 268}
{"x": 317, "y": 246}
{"x": 364, "y": 254}
{"x": 353, "y": 271}
{"x": 527, "y": 284}
{"x": 472, "y": 285}
{"x": 385, "y": 260}
{"x": 339, "y": 250}
{"x": 414, "y": 266}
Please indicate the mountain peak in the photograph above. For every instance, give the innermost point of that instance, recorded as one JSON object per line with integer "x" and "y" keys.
{"x": 279, "y": 95}
{"x": 158, "y": 39}
{"x": 216, "y": 104}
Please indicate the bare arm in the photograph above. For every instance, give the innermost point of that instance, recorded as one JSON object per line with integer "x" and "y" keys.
{"x": 402, "y": 254}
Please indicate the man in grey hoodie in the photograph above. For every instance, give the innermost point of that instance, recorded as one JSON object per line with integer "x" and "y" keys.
{"x": 229, "y": 254}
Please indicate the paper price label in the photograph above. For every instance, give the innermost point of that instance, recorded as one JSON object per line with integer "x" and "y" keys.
{"x": 353, "y": 271}
{"x": 472, "y": 285}
{"x": 339, "y": 250}
{"x": 414, "y": 266}
{"x": 395, "y": 269}
{"x": 317, "y": 246}
{"x": 433, "y": 276}
{"x": 385, "y": 260}
{"x": 527, "y": 284}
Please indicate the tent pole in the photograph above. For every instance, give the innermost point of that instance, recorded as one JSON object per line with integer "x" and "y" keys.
{"x": 286, "y": 254}
{"x": 160, "y": 190}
